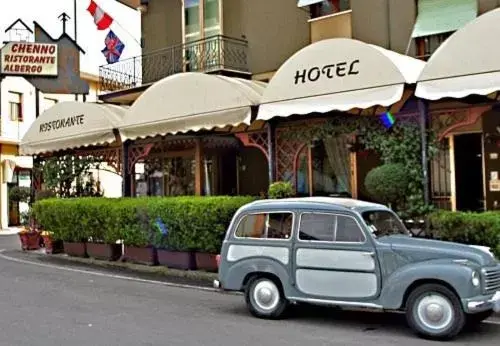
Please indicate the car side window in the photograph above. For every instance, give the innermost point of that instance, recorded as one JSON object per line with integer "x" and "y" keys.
{"x": 265, "y": 226}
{"x": 317, "y": 227}
{"x": 348, "y": 230}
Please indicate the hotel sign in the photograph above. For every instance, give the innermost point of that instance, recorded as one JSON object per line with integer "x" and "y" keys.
{"x": 29, "y": 59}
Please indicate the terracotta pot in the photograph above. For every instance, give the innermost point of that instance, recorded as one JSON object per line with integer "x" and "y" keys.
{"x": 206, "y": 261}
{"x": 75, "y": 249}
{"x": 176, "y": 259}
{"x": 108, "y": 252}
{"x": 141, "y": 255}
{"x": 52, "y": 246}
{"x": 30, "y": 241}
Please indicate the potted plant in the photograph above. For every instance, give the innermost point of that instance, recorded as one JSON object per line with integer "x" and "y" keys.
{"x": 169, "y": 253}
{"x": 52, "y": 246}
{"x": 19, "y": 194}
{"x": 138, "y": 241}
{"x": 103, "y": 244}
{"x": 30, "y": 239}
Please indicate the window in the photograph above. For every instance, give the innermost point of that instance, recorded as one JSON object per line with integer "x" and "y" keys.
{"x": 348, "y": 230}
{"x": 428, "y": 45}
{"x": 384, "y": 223}
{"x": 329, "y": 228}
{"x": 327, "y": 7}
{"x": 195, "y": 19}
{"x": 15, "y": 106}
{"x": 265, "y": 226}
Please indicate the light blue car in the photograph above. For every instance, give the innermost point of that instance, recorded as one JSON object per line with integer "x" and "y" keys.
{"x": 349, "y": 253}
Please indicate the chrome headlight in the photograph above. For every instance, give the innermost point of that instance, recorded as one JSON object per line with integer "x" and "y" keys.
{"x": 476, "y": 279}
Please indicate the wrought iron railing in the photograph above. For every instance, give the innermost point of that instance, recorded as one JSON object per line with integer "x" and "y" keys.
{"x": 211, "y": 54}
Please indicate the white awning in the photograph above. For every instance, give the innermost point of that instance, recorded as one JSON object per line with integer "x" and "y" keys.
{"x": 191, "y": 102}
{"x": 338, "y": 74}
{"x": 466, "y": 63}
{"x": 68, "y": 125}
{"x": 304, "y": 3}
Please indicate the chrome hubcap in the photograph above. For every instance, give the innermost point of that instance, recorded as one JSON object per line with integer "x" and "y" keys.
{"x": 266, "y": 295}
{"x": 435, "y": 312}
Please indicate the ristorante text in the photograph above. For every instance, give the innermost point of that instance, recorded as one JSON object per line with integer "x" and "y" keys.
{"x": 75, "y": 120}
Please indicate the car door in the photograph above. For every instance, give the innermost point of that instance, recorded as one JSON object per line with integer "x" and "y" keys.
{"x": 333, "y": 258}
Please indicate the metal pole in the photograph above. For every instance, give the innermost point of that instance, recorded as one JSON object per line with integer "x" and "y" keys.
{"x": 423, "y": 115}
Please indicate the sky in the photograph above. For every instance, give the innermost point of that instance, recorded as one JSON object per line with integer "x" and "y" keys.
{"x": 126, "y": 25}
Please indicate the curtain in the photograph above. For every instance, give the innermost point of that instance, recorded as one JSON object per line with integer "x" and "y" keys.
{"x": 340, "y": 161}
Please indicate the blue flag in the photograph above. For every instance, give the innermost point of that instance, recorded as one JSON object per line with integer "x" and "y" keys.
{"x": 114, "y": 47}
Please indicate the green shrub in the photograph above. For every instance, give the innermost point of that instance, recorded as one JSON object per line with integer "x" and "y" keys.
{"x": 193, "y": 223}
{"x": 468, "y": 228}
{"x": 280, "y": 189}
{"x": 20, "y": 194}
{"x": 387, "y": 183}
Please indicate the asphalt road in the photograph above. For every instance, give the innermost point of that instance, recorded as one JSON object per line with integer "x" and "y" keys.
{"x": 42, "y": 306}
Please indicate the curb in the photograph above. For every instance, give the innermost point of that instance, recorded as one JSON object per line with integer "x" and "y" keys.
{"x": 156, "y": 273}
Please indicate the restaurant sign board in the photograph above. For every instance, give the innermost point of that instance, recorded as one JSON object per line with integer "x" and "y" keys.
{"x": 29, "y": 59}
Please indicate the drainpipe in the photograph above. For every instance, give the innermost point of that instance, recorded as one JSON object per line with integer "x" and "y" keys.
{"x": 271, "y": 132}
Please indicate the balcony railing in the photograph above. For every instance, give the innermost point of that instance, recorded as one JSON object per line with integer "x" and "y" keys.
{"x": 211, "y": 54}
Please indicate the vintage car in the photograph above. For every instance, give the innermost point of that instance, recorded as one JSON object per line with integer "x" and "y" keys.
{"x": 350, "y": 253}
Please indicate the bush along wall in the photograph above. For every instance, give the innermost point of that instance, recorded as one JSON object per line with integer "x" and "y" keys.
{"x": 468, "y": 228}
{"x": 189, "y": 227}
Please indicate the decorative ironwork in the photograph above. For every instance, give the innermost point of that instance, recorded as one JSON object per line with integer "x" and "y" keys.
{"x": 257, "y": 140}
{"x": 112, "y": 156}
{"x": 446, "y": 121}
{"x": 136, "y": 153}
{"x": 288, "y": 150}
{"x": 211, "y": 54}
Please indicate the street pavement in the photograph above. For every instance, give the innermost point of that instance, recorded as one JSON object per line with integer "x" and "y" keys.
{"x": 42, "y": 306}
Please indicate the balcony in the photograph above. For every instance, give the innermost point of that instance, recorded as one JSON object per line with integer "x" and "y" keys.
{"x": 331, "y": 26}
{"x": 216, "y": 54}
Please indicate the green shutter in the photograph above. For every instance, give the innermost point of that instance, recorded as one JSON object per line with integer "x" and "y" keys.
{"x": 442, "y": 16}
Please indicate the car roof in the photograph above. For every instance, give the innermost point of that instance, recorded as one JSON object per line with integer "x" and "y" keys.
{"x": 322, "y": 203}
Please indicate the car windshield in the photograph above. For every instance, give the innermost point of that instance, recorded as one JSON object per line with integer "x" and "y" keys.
{"x": 383, "y": 223}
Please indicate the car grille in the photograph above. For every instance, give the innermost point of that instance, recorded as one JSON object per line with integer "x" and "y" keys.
{"x": 492, "y": 280}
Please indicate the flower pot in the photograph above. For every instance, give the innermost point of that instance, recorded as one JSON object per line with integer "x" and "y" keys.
{"x": 52, "y": 246}
{"x": 108, "y": 252}
{"x": 176, "y": 259}
{"x": 206, "y": 261}
{"x": 75, "y": 249}
{"x": 141, "y": 255}
{"x": 30, "y": 240}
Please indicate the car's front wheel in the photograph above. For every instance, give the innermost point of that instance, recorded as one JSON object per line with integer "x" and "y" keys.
{"x": 433, "y": 311}
{"x": 265, "y": 298}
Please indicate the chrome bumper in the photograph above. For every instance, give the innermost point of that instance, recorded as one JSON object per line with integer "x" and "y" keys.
{"x": 485, "y": 304}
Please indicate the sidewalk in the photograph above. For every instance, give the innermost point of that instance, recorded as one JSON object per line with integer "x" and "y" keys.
{"x": 10, "y": 231}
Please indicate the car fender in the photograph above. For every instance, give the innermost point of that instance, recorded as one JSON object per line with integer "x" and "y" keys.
{"x": 235, "y": 274}
{"x": 458, "y": 276}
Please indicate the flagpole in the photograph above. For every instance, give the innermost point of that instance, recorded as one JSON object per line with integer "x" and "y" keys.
{"x": 127, "y": 32}
{"x": 74, "y": 19}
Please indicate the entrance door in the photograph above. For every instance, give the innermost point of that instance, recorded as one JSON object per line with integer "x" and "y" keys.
{"x": 469, "y": 172}
{"x": 333, "y": 259}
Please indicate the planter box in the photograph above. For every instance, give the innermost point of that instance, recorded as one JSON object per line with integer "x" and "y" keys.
{"x": 141, "y": 255}
{"x": 206, "y": 261}
{"x": 30, "y": 241}
{"x": 108, "y": 252}
{"x": 75, "y": 249}
{"x": 176, "y": 259}
{"x": 52, "y": 246}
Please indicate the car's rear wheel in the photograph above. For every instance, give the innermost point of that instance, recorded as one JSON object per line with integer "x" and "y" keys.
{"x": 265, "y": 298}
{"x": 435, "y": 312}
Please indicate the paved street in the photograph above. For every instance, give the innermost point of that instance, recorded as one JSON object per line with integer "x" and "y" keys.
{"x": 49, "y": 306}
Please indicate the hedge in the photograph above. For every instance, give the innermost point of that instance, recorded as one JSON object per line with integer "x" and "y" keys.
{"x": 193, "y": 223}
{"x": 468, "y": 228}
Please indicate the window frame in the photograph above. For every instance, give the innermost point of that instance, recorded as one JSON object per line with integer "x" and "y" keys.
{"x": 20, "y": 115}
{"x": 201, "y": 21}
{"x": 336, "y": 214}
{"x": 240, "y": 219}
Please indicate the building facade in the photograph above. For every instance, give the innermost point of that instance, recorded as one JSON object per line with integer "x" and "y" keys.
{"x": 252, "y": 39}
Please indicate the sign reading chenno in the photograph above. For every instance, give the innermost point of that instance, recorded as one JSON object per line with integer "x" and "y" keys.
{"x": 338, "y": 70}
{"x": 29, "y": 59}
